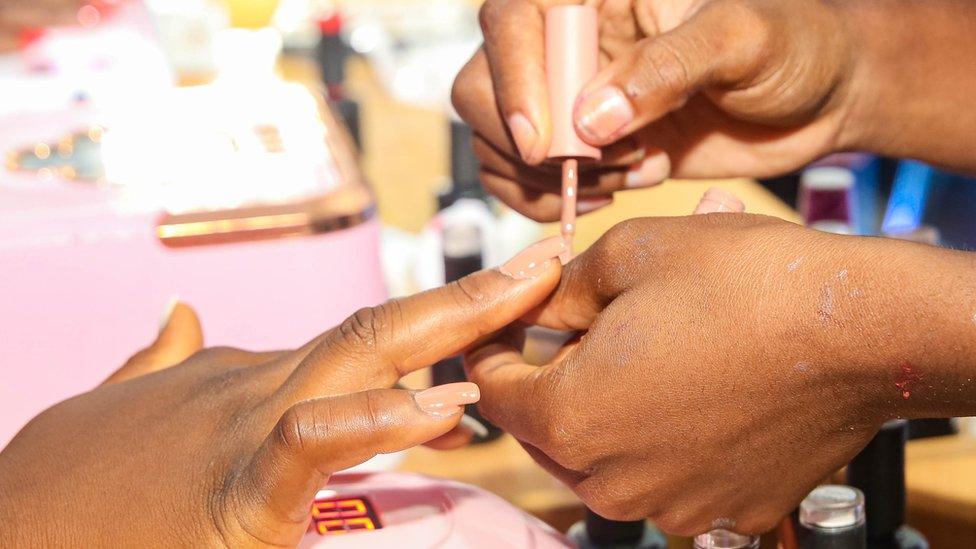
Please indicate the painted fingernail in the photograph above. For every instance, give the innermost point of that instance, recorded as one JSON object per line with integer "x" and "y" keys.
{"x": 524, "y": 134}
{"x": 719, "y": 200}
{"x": 447, "y": 400}
{"x": 603, "y": 113}
{"x": 535, "y": 259}
{"x": 168, "y": 312}
{"x": 651, "y": 171}
{"x": 589, "y": 204}
{"x": 477, "y": 428}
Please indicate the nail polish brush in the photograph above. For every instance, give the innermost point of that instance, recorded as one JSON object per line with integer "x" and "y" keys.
{"x": 572, "y": 59}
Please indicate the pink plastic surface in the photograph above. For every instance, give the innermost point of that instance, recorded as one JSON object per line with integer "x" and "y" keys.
{"x": 83, "y": 284}
{"x": 422, "y": 512}
{"x": 572, "y": 59}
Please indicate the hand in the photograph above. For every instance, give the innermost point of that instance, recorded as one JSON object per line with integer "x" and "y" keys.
{"x": 689, "y": 88}
{"x": 729, "y": 363}
{"x": 229, "y": 447}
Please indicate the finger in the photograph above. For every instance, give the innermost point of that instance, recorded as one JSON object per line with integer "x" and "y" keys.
{"x": 316, "y": 438}
{"x": 537, "y": 205}
{"x": 595, "y": 278}
{"x": 474, "y": 100}
{"x": 716, "y": 200}
{"x": 660, "y": 73}
{"x": 518, "y": 390}
{"x": 458, "y": 437}
{"x": 179, "y": 337}
{"x": 378, "y": 345}
{"x": 514, "y": 32}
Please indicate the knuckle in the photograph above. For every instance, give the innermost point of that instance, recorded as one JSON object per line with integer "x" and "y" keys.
{"x": 376, "y": 415}
{"x": 289, "y": 432}
{"x": 467, "y": 292}
{"x": 661, "y": 69}
{"x": 465, "y": 90}
{"x": 363, "y": 328}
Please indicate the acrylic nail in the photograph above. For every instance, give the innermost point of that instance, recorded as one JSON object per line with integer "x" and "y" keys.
{"x": 447, "y": 400}
{"x": 168, "y": 312}
{"x": 719, "y": 200}
{"x": 603, "y": 113}
{"x": 524, "y": 135}
{"x": 649, "y": 172}
{"x": 590, "y": 204}
{"x": 535, "y": 259}
{"x": 477, "y": 428}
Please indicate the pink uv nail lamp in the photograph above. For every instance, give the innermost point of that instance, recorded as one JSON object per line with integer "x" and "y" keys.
{"x": 412, "y": 511}
{"x": 244, "y": 201}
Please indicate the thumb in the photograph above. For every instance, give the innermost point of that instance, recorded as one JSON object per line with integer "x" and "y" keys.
{"x": 662, "y": 72}
{"x": 179, "y": 337}
{"x": 316, "y": 438}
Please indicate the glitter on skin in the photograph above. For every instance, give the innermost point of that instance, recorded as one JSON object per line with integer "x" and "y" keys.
{"x": 905, "y": 377}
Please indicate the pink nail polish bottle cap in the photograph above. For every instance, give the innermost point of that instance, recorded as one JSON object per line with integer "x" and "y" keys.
{"x": 572, "y": 59}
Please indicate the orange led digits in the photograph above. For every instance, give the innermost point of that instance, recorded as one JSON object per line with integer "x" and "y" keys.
{"x": 342, "y": 516}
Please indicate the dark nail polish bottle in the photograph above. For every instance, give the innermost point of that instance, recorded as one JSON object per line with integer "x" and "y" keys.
{"x": 832, "y": 517}
{"x": 879, "y": 472}
{"x": 597, "y": 532}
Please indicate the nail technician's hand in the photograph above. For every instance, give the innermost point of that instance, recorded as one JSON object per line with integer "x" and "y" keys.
{"x": 730, "y": 362}
{"x": 229, "y": 447}
{"x": 689, "y": 88}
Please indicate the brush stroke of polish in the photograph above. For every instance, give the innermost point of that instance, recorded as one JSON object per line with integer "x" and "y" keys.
{"x": 904, "y": 379}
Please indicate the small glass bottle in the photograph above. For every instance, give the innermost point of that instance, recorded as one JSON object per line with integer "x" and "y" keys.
{"x": 724, "y": 539}
{"x": 832, "y": 517}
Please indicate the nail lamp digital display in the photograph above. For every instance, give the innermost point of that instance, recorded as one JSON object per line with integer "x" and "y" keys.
{"x": 405, "y": 510}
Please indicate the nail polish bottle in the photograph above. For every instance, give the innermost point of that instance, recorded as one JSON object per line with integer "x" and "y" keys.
{"x": 832, "y": 517}
{"x": 332, "y": 52}
{"x": 724, "y": 539}
{"x": 596, "y": 532}
{"x": 878, "y": 471}
{"x": 463, "y": 246}
{"x": 824, "y": 199}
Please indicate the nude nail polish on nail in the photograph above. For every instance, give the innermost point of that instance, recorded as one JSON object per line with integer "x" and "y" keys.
{"x": 532, "y": 261}
{"x": 719, "y": 200}
{"x": 587, "y": 205}
{"x": 603, "y": 113}
{"x": 447, "y": 400}
{"x": 649, "y": 172}
{"x": 524, "y": 135}
{"x": 168, "y": 311}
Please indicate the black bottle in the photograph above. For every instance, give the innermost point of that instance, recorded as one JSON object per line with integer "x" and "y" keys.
{"x": 879, "y": 472}
{"x": 597, "y": 532}
{"x": 332, "y": 52}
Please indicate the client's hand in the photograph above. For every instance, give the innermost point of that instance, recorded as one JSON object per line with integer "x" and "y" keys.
{"x": 729, "y": 363}
{"x": 229, "y": 447}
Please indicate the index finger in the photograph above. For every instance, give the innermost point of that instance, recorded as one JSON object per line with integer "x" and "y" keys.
{"x": 376, "y": 346}
{"x": 514, "y": 32}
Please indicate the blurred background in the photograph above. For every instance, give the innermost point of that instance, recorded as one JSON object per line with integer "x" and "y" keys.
{"x": 279, "y": 164}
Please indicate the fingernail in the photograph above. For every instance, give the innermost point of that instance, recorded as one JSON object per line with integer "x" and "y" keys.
{"x": 524, "y": 134}
{"x": 587, "y": 205}
{"x": 603, "y": 113}
{"x": 477, "y": 428}
{"x": 719, "y": 200}
{"x": 447, "y": 400}
{"x": 535, "y": 259}
{"x": 651, "y": 171}
{"x": 168, "y": 311}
